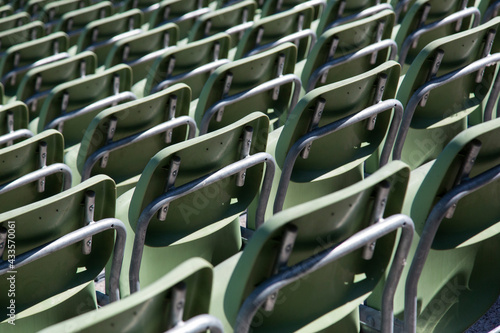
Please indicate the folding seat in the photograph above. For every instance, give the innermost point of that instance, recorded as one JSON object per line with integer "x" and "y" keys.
{"x": 334, "y": 136}
{"x": 39, "y": 81}
{"x": 21, "y": 34}
{"x": 190, "y": 64}
{"x": 488, "y": 9}
{"x": 182, "y": 294}
{"x": 451, "y": 67}
{"x": 13, "y": 123}
{"x": 290, "y": 26}
{"x": 341, "y": 12}
{"x": 52, "y": 11}
{"x": 74, "y": 22}
{"x": 140, "y": 51}
{"x": 234, "y": 20}
{"x": 264, "y": 82}
{"x": 100, "y": 35}
{"x": 20, "y": 58}
{"x": 6, "y": 10}
{"x": 428, "y": 20}
{"x": 348, "y": 50}
{"x": 32, "y": 170}
{"x": 61, "y": 245}
{"x": 216, "y": 176}
{"x": 121, "y": 140}
{"x": 309, "y": 267}
{"x": 147, "y": 7}
{"x": 14, "y": 21}
{"x": 454, "y": 272}
{"x": 71, "y": 106}
{"x": 181, "y": 12}
{"x": 270, "y": 7}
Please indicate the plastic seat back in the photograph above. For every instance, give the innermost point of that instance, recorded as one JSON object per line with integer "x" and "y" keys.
{"x": 290, "y": 26}
{"x": 25, "y": 157}
{"x": 13, "y": 119}
{"x": 38, "y": 81}
{"x": 69, "y": 270}
{"x": 53, "y": 11}
{"x": 432, "y": 121}
{"x": 112, "y": 130}
{"x": 181, "y": 12}
{"x": 100, "y": 35}
{"x": 141, "y": 51}
{"x": 191, "y": 64}
{"x": 17, "y": 35}
{"x": 71, "y": 106}
{"x": 19, "y": 59}
{"x": 270, "y": 7}
{"x": 267, "y": 74}
{"x": 234, "y": 19}
{"x": 74, "y": 22}
{"x": 145, "y": 311}
{"x": 343, "y": 51}
{"x": 14, "y": 21}
{"x": 334, "y": 291}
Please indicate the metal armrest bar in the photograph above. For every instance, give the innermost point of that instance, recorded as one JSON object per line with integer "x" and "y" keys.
{"x": 366, "y": 51}
{"x": 18, "y": 134}
{"x": 44, "y": 61}
{"x": 198, "y": 324}
{"x": 178, "y": 192}
{"x": 197, "y": 71}
{"x": 132, "y": 139}
{"x": 191, "y": 15}
{"x": 366, "y": 236}
{"x": 39, "y": 174}
{"x": 149, "y": 56}
{"x": 362, "y": 14}
{"x": 290, "y": 38}
{"x": 74, "y": 237}
{"x": 471, "y": 11}
{"x": 103, "y": 103}
{"x": 114, "y": 39}
{"x": 436, "y": 83}
{"x": 338, "y": 125}
{"x": 268, "y": 85}
{"x": 429, "y": 232}
{"x": 239, "y": 28}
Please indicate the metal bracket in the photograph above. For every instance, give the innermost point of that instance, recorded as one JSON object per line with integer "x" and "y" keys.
{"x": 166, "y": 39}
{"x": 95, "y": 35}
{"x": 379, "y": 92}
{"x": 279, "y": 73}
{"x": 126, "y": 52}
{"x": 166, "y": 13}
{"x": 379, "y": 206}
{"x": 318, "y": 112}
{"x": 172, "y": 107}
{"x": 175, "y": 163}
{"x": 42, "y": 161}
{"x": 10, "y": 126}
{"x": 378, "y": 38}
{"x": 300, "y": 27}
{"x": 38, "y": 84}
{"x": 459, "y": 22}
{"x": 225, "y": 92}
{"x": 216, "y": 54}
{"x": 341, "y": 9}
{"x": 245, "y": 152}
{"x": 64, "y": 109}
{"x": 116, "y": 87}
{"x": 432, "y": 73}
{"x": 421, "y": 22}
{"x": 471, "y": 153}
{"x": 16, "y": 60}
{"x": 88, "y": 219}
{"x": 113, "y": 121}
{"x": 488, "y": 45}
{"x": 287, "y": 242}
{"x": 177, "y": 303}
{"x": 244, "y": 19}
{"x": 131, "y": 22}
{"x": 331, "y": 53}
{"x": 208, "y": 26}
{"x": 260, "y": 34}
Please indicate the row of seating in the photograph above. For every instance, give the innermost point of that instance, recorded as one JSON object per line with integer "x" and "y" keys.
{"x": 185, "y": 160}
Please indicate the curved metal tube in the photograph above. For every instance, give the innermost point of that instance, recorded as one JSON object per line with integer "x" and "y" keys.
{"x": 318, "y": 133}
{"x": 44, "y": 61}
{"x": 132, "y": 139}
{"x": 195, "y": 185}
{"x": 197, "y": 71}
{"x": 268, "y": 85}
{"x": 114, "y": 39}
{"x": 289, "y": 38}
{"x": 436, "y": 83}
{"x": 366, "y": 236}
{"x": 77, "y": 236}
{"x": 103, "y": 103}
{"x": 199, "y": 324}
{"x": 323, "y": 69}
{"x": 429, "y": 232}
{"x": 39, "y": 174}
{"x": 405, "y": 48}
{"x": 18, "y": 134}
